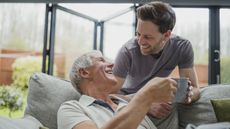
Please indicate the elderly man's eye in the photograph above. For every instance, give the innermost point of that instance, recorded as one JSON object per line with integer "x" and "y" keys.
{"x": 101, "y": 59}
{"x": 138, "y": 34}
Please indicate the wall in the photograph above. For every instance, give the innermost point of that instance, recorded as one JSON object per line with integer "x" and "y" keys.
{"x": 7, "y": 58}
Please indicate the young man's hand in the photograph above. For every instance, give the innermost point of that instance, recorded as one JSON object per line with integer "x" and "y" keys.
{"x": 160, "y": 110}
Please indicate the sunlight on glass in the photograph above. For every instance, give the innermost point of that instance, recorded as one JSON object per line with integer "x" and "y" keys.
{"x": 225, "y": 45}
{"x": 192, "y": 24}
{"x": 117, "y": 30}
{"x": 98, "y": 11}
{"x": 22, "y": 26}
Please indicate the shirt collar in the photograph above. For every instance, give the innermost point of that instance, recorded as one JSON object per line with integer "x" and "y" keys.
{"x": 88, "y": 100}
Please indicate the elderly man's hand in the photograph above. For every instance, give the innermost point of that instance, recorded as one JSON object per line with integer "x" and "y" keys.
{"x": 160, "y": 110}
{"x": 162, "y": 90}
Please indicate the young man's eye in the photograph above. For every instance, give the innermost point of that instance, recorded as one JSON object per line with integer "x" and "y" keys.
{"x": 146, "y": 37}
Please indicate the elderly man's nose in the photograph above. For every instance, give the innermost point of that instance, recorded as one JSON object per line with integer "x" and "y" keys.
{"x": 110, "y": 65}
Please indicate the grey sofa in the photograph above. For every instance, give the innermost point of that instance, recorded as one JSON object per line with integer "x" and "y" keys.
{"x": 47, "y": 93}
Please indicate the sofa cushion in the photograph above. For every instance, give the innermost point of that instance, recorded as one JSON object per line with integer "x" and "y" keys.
{"x": 222, "y": 109}
{"x": 27, "y": 122}
{"x": 220, "y": 125}
{"x": 201, "y": 112}
{"x": 46, "y": 94}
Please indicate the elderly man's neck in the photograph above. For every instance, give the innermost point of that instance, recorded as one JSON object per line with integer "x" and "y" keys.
{"x": 93, "y": 91}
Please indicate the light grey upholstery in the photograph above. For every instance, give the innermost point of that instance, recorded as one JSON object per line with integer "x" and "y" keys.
{"x": 46, "y": 93}
{"x": 27, "y": 122}
{"x": 220, "y": 125}
{"x": 202, "y": 112}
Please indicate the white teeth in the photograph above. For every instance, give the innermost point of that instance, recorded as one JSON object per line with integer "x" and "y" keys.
{"x": 109, "y": 72}
{"x": 144, "y": 47}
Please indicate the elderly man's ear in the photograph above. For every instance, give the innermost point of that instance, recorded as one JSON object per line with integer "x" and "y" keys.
{"x": 84, "y": 73}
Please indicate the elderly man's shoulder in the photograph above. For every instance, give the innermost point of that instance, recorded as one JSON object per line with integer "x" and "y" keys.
{"x": 70, "y": 103}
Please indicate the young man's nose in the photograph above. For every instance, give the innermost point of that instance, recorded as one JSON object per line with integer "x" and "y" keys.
{"x": 141, "y": 40}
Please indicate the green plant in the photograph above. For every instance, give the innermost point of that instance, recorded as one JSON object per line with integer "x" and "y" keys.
{"x": 225, "y": 70}
{"x": 10, "y": 98}
{"x": 24, "y": 67}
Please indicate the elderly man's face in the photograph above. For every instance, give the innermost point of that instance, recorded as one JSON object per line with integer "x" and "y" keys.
{"x": 102, "y": 72}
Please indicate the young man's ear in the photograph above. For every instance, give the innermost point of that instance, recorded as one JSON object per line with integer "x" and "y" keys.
{"x": 84, "y": 73}
{"x": 167, "y": 34}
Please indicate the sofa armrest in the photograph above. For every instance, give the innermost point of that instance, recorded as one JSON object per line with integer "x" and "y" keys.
{"x": 27, "y": 122}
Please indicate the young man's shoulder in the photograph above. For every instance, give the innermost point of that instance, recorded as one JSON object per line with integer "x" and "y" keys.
{"x": 131, "y": 44}
{"x": 179, "y": 42}
{"x": 178, "y": 39}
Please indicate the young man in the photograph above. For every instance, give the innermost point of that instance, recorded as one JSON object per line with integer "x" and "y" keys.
{"x": 92, "y": 76}
{"x": 155, "y": 52}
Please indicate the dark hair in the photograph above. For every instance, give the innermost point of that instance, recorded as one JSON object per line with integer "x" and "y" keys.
{"x": 158, "y": 13}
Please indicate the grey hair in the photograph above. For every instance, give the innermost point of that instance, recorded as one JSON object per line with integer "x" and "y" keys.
{"x": 83, "y": 61}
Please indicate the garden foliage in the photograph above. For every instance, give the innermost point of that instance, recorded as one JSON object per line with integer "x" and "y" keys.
{"x": 10, "y": 98}
{"x": 24, "y": 67}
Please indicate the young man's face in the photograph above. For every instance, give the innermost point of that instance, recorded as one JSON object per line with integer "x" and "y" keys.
{"x": 150, "y": 40}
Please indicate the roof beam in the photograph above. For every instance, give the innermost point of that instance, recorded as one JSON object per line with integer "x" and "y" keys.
{"x": 182, "y": 3}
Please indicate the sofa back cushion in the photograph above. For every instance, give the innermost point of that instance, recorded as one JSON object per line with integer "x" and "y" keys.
{"x": 201, "y": 112}
{"x": 27, "y": 122}
{"x": 46, "y": 94}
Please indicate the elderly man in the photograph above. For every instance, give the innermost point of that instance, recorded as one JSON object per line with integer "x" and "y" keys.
{"x": 92, "y": 76}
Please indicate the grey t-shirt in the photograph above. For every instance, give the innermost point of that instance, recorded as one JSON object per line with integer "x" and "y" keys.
{"x": 137, "y": 68}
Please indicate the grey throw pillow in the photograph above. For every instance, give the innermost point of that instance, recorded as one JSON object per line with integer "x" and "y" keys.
{"x": 201, "y": 112}
{"x": 46, "y": 94}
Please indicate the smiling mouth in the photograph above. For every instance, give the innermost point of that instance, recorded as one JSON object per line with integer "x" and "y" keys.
{"x": 109, "y": 71}
{"x": 144, "y": 47}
